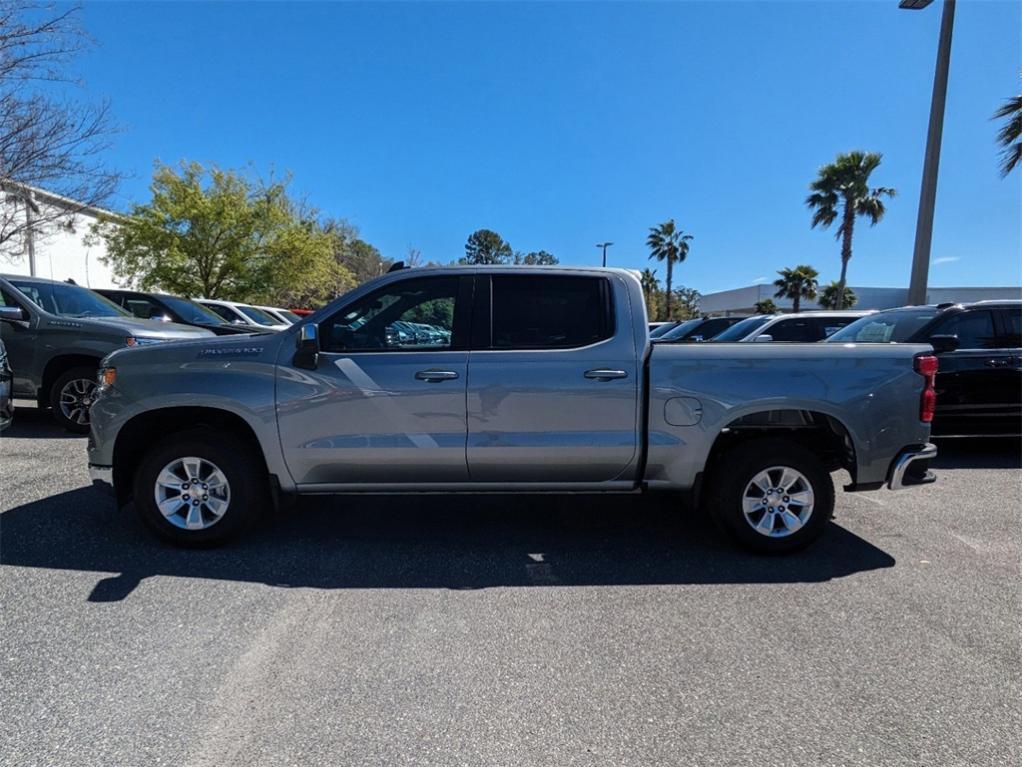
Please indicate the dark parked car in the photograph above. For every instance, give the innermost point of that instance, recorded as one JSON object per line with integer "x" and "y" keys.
{"x": 979, "y": 352}
{"x": 6, "y": 389}
{"x": 161, "y": 306}
{"x": 701, "y": 329}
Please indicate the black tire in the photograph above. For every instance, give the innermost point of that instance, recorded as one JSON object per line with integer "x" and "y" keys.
{"x": 734, "y": 473}
{"x": 239, "y": 462}
{"x": 76, "y": 420}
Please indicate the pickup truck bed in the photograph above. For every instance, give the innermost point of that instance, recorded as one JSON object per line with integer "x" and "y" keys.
{"x": 504, "y": 379}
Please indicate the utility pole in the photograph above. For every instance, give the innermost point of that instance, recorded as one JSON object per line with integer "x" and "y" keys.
{"x": 604, "y": 245}
{"x": 928, "y": 191}
{"x": 30, "y": 209}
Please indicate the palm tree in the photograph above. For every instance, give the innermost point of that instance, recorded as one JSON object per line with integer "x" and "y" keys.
{"x": 828, "y": 297}
{"x": 668, "y": 243}
{"x": 650, "y": 287}
{"x": 796, "y": 284}
{"x": 765, "y": 306}
{"x": 1010, "y": 133}
{"x": 845, "y": 184}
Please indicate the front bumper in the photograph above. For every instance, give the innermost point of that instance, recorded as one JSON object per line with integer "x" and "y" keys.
{"x": 102, "y": 477}
{"x": 912, "y": 467}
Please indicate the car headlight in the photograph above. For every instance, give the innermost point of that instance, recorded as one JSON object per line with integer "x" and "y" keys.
{"x": 143, "y": 341}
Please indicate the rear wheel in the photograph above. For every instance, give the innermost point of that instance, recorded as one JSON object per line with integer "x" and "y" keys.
{"x": 771, "y": 495}
{"x": 200, "y": 488}
{"x": 71, "y": 397}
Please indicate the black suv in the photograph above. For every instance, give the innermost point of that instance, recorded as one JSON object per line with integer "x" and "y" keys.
{"x": 979, "y": 348}
{"x": 701, "y": 329}
{"x": 161, "y": 306}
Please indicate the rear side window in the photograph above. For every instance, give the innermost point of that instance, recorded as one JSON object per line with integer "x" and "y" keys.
{"x": 1013, "y": 328}
{"x": 794, "y": 331}
{"x": 975, "y": 329}
{"x": 555, "y": 312}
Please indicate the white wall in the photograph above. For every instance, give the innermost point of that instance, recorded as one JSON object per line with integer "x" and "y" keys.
{"x": 60, "y": 253}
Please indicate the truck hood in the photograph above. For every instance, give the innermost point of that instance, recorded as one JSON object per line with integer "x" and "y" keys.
{"x": 200, "y": 345}
{"x": 131, "y": 326}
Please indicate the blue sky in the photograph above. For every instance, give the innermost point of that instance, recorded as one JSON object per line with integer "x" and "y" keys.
{"x": 562, "y": 125}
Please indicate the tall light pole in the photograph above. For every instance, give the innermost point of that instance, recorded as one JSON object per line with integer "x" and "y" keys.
{"x": 604, "y": 245}
{"x": 931, "y": 162}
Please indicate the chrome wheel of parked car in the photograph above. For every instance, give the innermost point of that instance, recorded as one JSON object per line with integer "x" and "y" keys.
{"x": 778, "y": 501}
{"x": 76, "y": 399}
{"x": 192, "y": 493}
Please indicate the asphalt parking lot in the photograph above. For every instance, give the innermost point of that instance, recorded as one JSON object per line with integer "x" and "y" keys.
{"x": 509, "y": 631}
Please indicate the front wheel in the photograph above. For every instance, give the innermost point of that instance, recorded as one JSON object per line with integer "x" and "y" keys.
{"x": 71, "y": 397}
{"x": 771, "y": 495}
{"x": 200, "y": 488}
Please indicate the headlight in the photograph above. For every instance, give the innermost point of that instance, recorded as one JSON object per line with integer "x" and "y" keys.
{"x": 143, "y": 341}
{"x": 106, "y": 376}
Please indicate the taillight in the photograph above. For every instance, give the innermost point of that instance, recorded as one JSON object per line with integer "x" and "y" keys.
{"x": 926, "y": 366}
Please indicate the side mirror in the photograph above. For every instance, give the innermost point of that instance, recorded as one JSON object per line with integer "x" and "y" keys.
{"x": 944, "y": 343}
{"x": 307, "y": 347}
{"x": 12, "y": 314}
{"x": 764, "y": 338}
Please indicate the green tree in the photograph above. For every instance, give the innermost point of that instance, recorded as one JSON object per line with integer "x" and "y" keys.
{"x": 485, "y": 246}
{"x": 651, "y": 292}
{"x": 1010, "y": 133}
{"x": 687, "y": 302}
{"x": 796, "y": 284}
{"x": 215, "y": 233}
{"x": 765, "y": 306}
{"x": 536, "y": 258}
{"x": 842, "y": 189}
{"x": 828, "y": 297}
{"x": 668, "y": 243}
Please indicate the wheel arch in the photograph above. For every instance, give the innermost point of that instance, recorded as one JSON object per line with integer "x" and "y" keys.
{"x": 56, "y": 367}
{"x": 134, "y": 437}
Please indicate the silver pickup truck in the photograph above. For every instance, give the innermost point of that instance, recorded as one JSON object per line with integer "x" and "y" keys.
{"x": 481, "y": 379}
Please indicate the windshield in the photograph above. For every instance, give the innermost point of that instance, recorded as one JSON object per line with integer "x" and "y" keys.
{"x": 189, "y": 311}
{"x": 885, "y": 327}
{"x": 67, "y": 300}
{"x": 740, "y": 330}
{"x": 257, "y": 315}
{"x": 680, "y": 330}
{"x": 659, "y": 330}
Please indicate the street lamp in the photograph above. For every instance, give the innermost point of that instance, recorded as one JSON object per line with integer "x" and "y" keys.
{"x": 931, "y": 162}
{"x": 604, "y": 245}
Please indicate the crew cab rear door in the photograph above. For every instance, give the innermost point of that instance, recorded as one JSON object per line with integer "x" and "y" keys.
{"x": 553, "y": 380}
{"x": 386, "y": 402}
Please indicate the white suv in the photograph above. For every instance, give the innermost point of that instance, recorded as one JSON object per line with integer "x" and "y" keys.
{"x": 243, "y": 314}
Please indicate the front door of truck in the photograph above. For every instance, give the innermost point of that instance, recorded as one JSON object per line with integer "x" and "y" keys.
{"x": 386, "y": 404}
{"x": 20, "y": 338}
{"x": 553, "y": 382}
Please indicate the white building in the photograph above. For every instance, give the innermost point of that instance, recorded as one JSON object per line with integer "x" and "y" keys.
{"x": 743, "y": 300}
{"x": 61, "y": 250}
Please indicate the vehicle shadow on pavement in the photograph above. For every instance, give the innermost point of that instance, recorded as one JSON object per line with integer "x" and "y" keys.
{"x": 34, "y": 423}
{"x": 425, "y": 541}
{"x": 978, "y": 453}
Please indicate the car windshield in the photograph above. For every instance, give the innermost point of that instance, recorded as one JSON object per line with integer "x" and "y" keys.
{"x": 67, "y": 300}
{"x": 189, "y": 311}
{"x": 257, "y": 315}
{"x": 740, "y": 330}
{"x": 680, "y": 330}
{"x": 659, "y": 330}
{"x": 885, "y": 327}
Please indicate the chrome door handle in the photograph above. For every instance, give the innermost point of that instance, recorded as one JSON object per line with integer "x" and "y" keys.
{"x": 436, "y": 375}
{"x": 601, "y": 374}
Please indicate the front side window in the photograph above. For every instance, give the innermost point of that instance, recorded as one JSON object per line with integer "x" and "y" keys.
{"x": 143, "y": 308}
{"x": 975, "y": 330}
{"x": 793, "y": 331}
{"x": 412, "y": 315}
{"x": 226, "y": 312}
{"x": 740, "y": 330}
{"x": 540, "y": 312}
